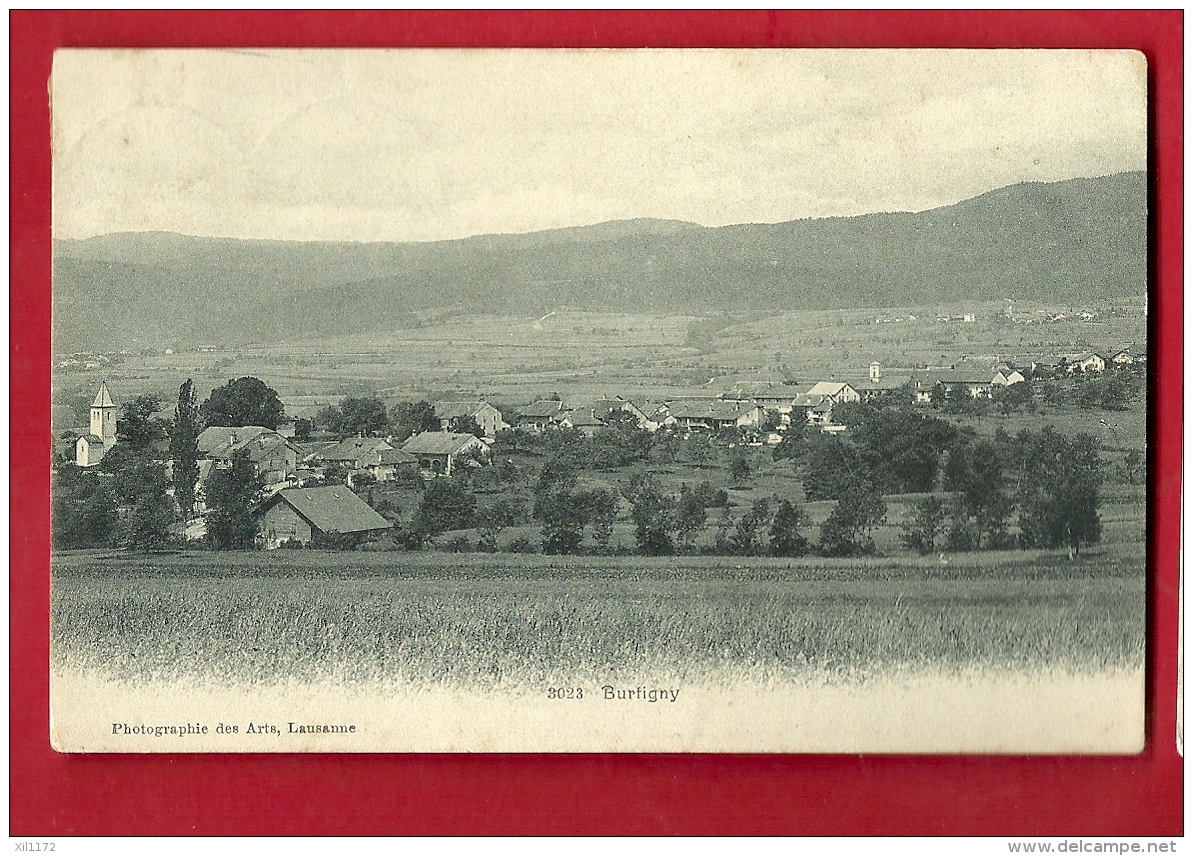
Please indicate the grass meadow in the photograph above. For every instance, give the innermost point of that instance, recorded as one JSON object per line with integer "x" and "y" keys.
{"x": 475, "y": 621}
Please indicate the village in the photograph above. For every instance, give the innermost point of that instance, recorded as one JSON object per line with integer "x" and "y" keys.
{"x": 340, "y": 478}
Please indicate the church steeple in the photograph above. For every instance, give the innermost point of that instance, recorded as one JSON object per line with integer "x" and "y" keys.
{"x": 103, "y": 416}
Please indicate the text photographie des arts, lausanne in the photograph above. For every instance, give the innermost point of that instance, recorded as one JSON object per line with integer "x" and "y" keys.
{"x": 642, "y": 400}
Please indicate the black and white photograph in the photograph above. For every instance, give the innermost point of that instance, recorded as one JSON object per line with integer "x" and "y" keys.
{"x": 496, "y": 400}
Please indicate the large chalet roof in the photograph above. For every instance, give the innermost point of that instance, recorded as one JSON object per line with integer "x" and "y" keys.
{"x": 354, "y": 448}
{"x": 453, "y": 409}
{"x": 391, "y": 456}
{"x": 332, "y": 509}
{"x": 828, "y": 387}
{"x": 715, "y": 409}
{"x": 786, "y": 392}
{"x": 103, "y": 398}
{"x": 543, "y": 409}
{"x": 947, "y": 376}
{"x": 885, "y": 384}
{"x": 437, "y": 443}
{"x": 220, "y": 436}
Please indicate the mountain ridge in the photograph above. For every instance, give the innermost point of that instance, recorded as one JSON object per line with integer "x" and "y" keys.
{"x": 1051, "y": 240}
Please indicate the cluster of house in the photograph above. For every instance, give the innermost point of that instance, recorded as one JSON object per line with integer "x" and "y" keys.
{"x": 297, "y": 513}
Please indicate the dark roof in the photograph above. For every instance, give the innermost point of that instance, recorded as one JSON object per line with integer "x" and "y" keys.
{"x": 332, "y": 509}
{"x": 785, "y": 392}
{"x": 971, "y": 376}
{"x": 393, "y": 456}
{"x": 256, "y": 450}
{"x": 219, "y": 436}
{"x": 437, "y": 443}
{"x": 708, "y": 408}
{"x": 886, "y": 384}
{"x": 451, "y": 409}
{"x": 353, "y": 448}
{"x": 544, "y": 409}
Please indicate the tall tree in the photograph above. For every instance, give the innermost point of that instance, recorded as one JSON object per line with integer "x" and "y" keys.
{"x": 83, "y": 508}
{"x": 244, "y": 401}
{"x": 785, "y": 537}
{"x": 920, "y": 532}
{"x": 361, "y": 416}
{"x": 413, "y": 417}
{"x": 184, "y": 449}
{"x": 847, "y": 530}
{"x": 1060, "y": 481}
{"x": 654, "y": 519}
{"x": 139, "y": 427}
{"x": 232, "y": 495}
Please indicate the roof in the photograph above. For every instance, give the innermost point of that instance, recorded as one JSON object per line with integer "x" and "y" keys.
{"x": 452, "y": 409}
{"x": 438, "y": 443}
{"x": 887, "y": 382}
{"x": 807, "y": 401}
{"x": 1080, "y": 358}
{"x": 332, "y": 509}
{"x": 389, "y": 457}
{"x": 103, "y": 398}
{"x": 353, "y": 448}
{"x": 220, "y": 435}
{"x": 707, "y": 408}
{"x": 91, "y": 438}
{"x": 828, "y": 387}
{"x": 583, "y": 417}
{"x": 543, "y": 409}
{"x": 970, "y": 376}
{"x": 256, "y": 449}
{"x": 786, "y": 392}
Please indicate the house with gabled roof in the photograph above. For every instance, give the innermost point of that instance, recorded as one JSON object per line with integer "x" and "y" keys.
{"x": 349, "y": 453}
{"x": 538, "y": 416}
{"x": 273, "y": 456}
{"x": 486, "y": 415}
{"x": 303, "y": 515}
{"x": 594, "y": 415}
{"x": 1088, "y": 361}
{"x": 713, "y": 414}
{"x": 440, "y": 452}
{"x": 837, "y": 392}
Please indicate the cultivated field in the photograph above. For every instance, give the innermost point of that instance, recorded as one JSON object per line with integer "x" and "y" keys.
{"x": 584, "y": 355}
{"x": 476, "y": 621}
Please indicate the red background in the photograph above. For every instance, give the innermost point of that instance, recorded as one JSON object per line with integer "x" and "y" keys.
{"x": 54, "y": 794}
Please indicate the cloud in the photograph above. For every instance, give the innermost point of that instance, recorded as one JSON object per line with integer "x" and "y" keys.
{"x": 419, "y": 145}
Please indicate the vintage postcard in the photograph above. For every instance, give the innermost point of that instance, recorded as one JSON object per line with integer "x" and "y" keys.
{"x": 599, "y": 401}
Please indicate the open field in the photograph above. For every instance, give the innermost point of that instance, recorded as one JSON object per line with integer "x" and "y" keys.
{"x": 244, "y": 619}
{"x": 583, "y": 355}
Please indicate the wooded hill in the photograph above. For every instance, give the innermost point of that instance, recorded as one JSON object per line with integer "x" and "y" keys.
{"x": 1069, "y": 242}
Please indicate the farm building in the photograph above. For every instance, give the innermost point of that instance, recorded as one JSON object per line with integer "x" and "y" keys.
{"x": 386, "y": 464}
{"x": 486, "y": 415}
{"x": 440, "y": 451}
{"x": 273, "y": 456}
{"x": 974, "y": 382}
{"x": 351, "y": 453}
{"x": 308, "y": 514}
{"x": 595, "y": 414}
{"x": 540, "y": 415}
{"x": 835, "y": 392}
{"x": 1086, "y": 362}
{"x": 713, "y": 414}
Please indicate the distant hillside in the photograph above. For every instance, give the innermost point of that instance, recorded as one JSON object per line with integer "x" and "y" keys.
{"x": 1069, "y": 241}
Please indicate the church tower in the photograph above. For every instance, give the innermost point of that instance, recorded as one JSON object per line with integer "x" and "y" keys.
{"x": 91, "y": 447}
{"x": 103, "y": 416}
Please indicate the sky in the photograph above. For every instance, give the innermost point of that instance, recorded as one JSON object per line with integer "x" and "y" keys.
{"x": 418, "y": 145}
